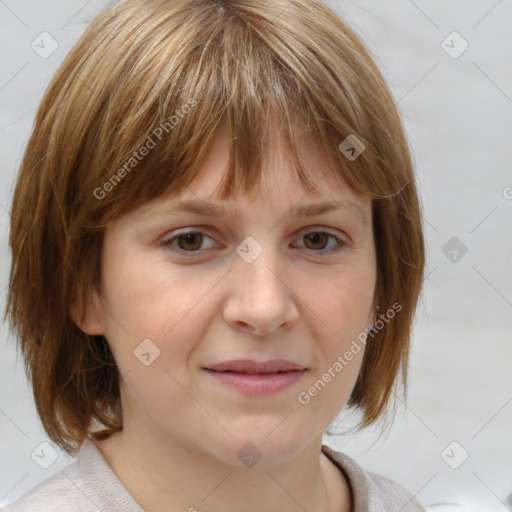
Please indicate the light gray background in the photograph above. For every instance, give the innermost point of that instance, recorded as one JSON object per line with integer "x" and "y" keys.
{"x": 458, "y": 115}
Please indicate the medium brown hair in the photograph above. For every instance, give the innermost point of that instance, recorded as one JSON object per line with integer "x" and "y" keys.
{"x": 249, "y": 62}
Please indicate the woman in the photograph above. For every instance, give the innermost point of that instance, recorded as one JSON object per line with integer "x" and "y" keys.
{"x": 225, "y": 250}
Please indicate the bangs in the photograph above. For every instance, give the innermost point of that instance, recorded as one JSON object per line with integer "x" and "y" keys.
{"x": 162, "y": 99}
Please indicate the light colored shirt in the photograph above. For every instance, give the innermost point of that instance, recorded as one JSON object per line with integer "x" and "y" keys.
{"x": 88, "y": 484}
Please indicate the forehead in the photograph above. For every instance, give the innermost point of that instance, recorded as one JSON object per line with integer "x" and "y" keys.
{"x": 279, "y": 179}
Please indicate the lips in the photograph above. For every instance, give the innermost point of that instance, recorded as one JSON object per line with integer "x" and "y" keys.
{"x": 249, "y": 366}
{"x": 254, "y": 378}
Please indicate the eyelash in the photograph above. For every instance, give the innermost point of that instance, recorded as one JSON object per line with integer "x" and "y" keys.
{"x": 170, "y": 245}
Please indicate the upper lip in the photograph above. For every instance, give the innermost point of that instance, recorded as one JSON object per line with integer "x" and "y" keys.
{"x": 250, "y": 366}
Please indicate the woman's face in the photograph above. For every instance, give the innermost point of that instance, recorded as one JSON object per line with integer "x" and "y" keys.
{"x": 259, "y": 282}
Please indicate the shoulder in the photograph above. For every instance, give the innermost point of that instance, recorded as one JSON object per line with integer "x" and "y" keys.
{"x": 372, "y": 492}
{"x": 86, "y": 484}
{"x": 59, "y": 492}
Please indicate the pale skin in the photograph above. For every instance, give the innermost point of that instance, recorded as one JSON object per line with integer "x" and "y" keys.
{"x": 303, "y": 300}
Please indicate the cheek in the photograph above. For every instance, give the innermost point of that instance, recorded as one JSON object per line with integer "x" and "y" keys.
{"x": 343, "y": 306}
{"x": 155, "y": 319}
{"x": 145, "y": 298}
{"x": 343, "y": 309}
{"x": 138, "y": 291}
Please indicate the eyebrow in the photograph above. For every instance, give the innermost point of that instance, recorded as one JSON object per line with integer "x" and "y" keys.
{"x": 305, "y": 210}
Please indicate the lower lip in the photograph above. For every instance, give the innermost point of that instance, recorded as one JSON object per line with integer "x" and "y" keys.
{"x": 258, "y": 384}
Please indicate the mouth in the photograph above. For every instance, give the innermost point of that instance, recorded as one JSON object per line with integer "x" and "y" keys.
{"x": 249, "y": 366}
{"x": 257, "y": 378}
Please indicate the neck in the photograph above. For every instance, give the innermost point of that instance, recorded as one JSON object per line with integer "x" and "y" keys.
{"x": 161, "y": 474}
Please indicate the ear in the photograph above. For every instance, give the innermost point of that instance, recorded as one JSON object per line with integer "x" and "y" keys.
{"x": 90, "y": 320}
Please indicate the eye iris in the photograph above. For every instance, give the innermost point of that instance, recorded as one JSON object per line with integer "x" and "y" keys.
{"x": 314, "y": 237}
{"x": 189, "y": 238}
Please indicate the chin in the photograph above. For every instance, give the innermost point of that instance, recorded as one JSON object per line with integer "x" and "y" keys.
{"x": 260, "y": 443}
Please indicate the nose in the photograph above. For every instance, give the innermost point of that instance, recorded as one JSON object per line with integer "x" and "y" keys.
{"x": 261, "y": 300}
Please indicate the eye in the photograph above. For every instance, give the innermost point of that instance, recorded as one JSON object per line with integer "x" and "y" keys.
{"x": 317, "y": 241}
{"x": 190, "y": 241}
